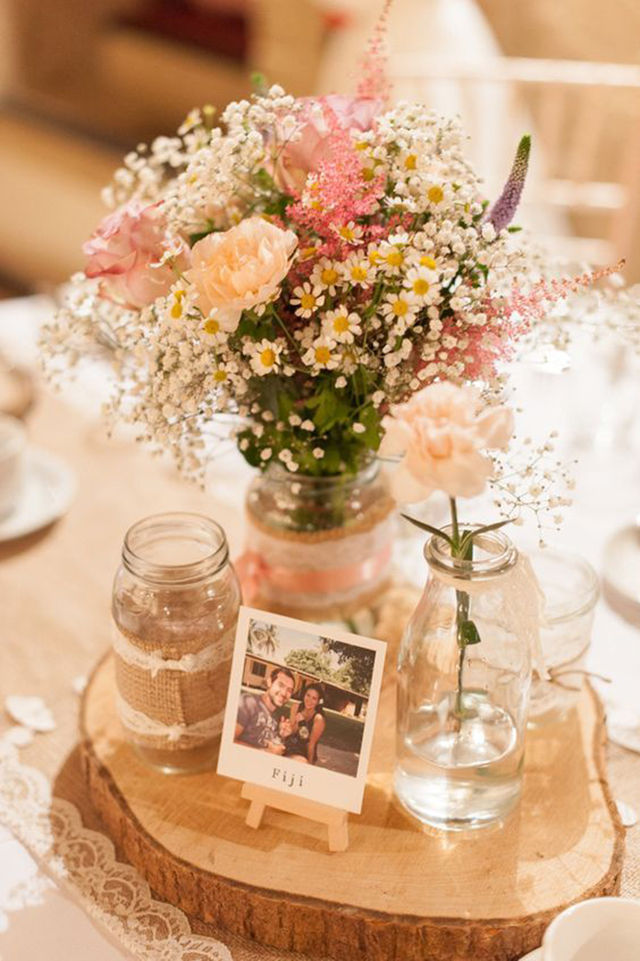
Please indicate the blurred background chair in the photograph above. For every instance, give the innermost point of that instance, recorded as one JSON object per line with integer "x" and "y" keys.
{"x": 82, "y": 81}
{"x": 584, "y": 192}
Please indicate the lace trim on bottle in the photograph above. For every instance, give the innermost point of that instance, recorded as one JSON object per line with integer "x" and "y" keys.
{"x": 84, "y": 862}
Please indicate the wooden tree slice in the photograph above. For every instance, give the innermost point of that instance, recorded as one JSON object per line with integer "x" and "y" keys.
{"x": 399, "y": 893}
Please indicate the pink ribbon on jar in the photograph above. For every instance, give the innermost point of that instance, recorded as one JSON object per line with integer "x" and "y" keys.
{"x": 253, "y": 569}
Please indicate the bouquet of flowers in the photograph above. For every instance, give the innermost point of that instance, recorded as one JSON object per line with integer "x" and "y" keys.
{"x": 302, "y": 265}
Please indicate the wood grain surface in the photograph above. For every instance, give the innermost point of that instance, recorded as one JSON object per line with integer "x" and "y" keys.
{"x": 400, "y": 891}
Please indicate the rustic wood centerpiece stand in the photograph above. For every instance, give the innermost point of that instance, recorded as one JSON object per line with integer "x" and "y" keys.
{"x": 399, "y": 892}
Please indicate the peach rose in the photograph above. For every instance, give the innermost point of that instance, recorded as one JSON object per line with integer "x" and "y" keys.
{"x": 240, "y": 268}
{"x": 303, "y": 156}
{"x": 122, "y": 251}
{"x": 440, "y": 435}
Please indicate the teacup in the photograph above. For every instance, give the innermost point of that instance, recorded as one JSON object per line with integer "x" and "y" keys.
{"x": 13, "y": 441}
{"x": 595, "y": 930}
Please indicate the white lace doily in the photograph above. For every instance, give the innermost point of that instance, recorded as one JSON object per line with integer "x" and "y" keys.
{"x": 83, "y": 862}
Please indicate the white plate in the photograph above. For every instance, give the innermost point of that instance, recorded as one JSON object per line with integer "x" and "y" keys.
{"x": 534, "y": 956}
{"x": 48, "y": 490}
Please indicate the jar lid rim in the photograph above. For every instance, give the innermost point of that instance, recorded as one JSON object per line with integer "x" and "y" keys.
{"x": 157, "y": 525}
{"x": 503, "y": 555}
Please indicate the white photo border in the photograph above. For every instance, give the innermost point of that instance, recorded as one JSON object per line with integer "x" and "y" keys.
{"x": 284, "y": 774}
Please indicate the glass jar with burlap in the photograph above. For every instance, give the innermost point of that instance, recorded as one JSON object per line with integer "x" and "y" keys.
{"x": 175, "y": 609}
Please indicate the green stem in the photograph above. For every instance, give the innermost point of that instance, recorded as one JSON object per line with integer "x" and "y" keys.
{"x": 462, "y": 613}
{"x": 459, "y": 709}
{"x": 454, "y": 525}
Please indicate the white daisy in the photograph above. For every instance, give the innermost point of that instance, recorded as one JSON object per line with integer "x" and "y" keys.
{"x": 351, "y": 232}
{"x": 212, "y": 332}
{"x": 341, "y": 326}
{"x": 321, "y": 355}
{"x": 402, "y": 307}
{"x": 358, "y": 270}
{"x": 325, "y": 276}
{"x": 423, "y": 285}
{"x": 265, "y": 356}
{"x": 308, "y": 298}
{"x": 392, "y": 258}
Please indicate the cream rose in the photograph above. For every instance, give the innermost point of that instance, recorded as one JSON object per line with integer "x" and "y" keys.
{"x": 440, "y": 434}
{"x": 240, "y": 268}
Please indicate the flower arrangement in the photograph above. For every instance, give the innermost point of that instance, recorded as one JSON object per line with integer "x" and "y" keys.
{"x": 302, "y": 265}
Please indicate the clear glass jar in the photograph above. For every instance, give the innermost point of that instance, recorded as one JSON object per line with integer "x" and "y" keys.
{"x": 175, "y": 609}
{"x": 320, "y": 546}
{"x": 571, "y": 590}
{"x": 462, "y": 707}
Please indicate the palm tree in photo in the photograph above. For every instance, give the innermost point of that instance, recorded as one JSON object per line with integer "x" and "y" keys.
{"x": 263, "y": 639}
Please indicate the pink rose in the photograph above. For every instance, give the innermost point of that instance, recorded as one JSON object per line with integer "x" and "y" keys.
{"x": 303, "y": 156}
{"x": 240, "y": 268}
{"x": 440, "y": 435}
{"x": 121, "y": 253}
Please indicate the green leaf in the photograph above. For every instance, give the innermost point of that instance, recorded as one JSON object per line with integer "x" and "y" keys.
{"x": 466, "y": 546}
{"x": 285, "y": 405}
{"x": 469, "y": 536}
{"x": 370, "y": 420}
{"x": 329, "y": 410}
{"x": 259, "y": 83}
{"x": 264, "y": 179}
{"x": 468, "y": 633}
{"x": 427, "y": 527}
{"x": 331, "y": 460}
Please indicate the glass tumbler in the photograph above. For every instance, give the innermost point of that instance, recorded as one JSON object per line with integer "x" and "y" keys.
{"x": 571, "y": 590}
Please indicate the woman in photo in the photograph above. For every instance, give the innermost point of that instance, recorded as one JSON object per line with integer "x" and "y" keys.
{"x": 307, "y": 726}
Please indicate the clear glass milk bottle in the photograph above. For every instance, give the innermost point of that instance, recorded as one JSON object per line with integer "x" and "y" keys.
{"x": 175, "y": 609}
{"x": 464, "y": 674}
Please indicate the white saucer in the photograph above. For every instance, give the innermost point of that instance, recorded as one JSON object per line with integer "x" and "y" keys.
{"x": 47, "y": 492}
{"x": 533, "y": 956}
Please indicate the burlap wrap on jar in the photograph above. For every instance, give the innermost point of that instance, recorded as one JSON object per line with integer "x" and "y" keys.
{"x": 170, "y": 699}
{"x": 175, "y": 609}
{"x": 318, "y": 548}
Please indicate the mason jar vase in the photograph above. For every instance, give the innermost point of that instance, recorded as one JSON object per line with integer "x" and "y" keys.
{"x": 175, "y": 608}
{"x": 320, "y": 547}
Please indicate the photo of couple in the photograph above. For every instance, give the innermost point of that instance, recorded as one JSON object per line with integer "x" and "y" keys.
{"x": 265, "y": 722}
{"x": 304, "y": 697}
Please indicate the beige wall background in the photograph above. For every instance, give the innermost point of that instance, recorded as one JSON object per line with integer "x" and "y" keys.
{"x": 77, "y": 87}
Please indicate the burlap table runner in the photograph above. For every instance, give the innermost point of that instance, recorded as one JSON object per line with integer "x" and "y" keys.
{"x": 56, "y": 585}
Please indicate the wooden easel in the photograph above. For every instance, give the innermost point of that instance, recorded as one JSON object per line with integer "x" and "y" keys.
{"x": 336, "y": 820}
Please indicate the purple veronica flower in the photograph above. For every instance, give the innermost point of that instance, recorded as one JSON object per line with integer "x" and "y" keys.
{"x": 503, "y": 211}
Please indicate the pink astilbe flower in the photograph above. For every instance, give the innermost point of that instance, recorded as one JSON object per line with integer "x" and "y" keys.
{"x": 374, "y": 80}
{"x": 529, "y": 307}
{"x": 337, "y": 195}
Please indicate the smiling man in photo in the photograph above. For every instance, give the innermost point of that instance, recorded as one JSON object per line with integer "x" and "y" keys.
{"x": 257, "y": 723}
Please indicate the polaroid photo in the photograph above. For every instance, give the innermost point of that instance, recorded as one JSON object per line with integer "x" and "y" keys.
{"x": 301, "y": 708}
